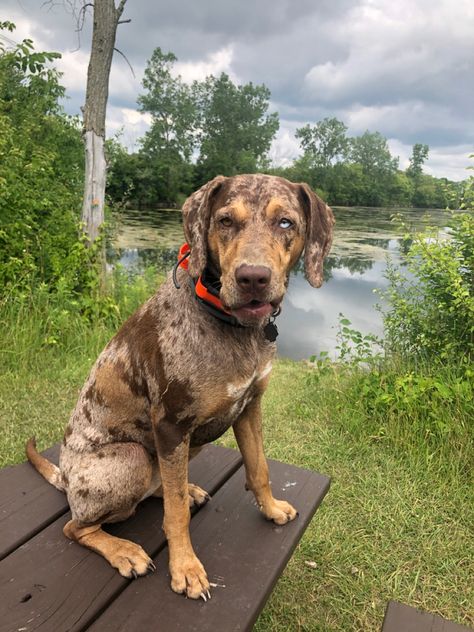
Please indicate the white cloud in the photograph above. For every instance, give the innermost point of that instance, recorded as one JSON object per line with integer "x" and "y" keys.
{"x": 402, "y": 150}
{"x": 133, "y": 117}
{"x": 411, "y": 120}
{"x": 285, "y": 148}
{"x": 215, "y": 63}
{"x": 396, "y": 48}
{"x": 73, "y": 65}
{"x": 130, "y": 124}
{"x": 450, "y": 162}
{"x": 27, "y": 28}
{"x": 124, "y": 86}
{"x": 442, "y": 162}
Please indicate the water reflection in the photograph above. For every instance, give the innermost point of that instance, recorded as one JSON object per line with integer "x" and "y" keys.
{"x": 308, "y": 323}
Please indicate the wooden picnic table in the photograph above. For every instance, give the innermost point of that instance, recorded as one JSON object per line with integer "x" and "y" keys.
{"x": 402, "y": 618}
{"x": 51, "y": 584}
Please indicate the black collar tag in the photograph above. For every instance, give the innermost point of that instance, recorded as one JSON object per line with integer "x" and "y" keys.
{"x": 271, "y": 331}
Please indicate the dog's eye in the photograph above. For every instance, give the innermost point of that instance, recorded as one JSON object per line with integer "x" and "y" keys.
{"x": 285, "y": 223}
{"x": 226, "y": 221}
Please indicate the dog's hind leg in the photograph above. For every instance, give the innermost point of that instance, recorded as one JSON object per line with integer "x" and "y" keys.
{"x": 105, "y": 486}
{"x": 127, "y": 557}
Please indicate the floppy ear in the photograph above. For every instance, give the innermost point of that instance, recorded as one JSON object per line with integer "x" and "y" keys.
{"x": 319, "y": 230}
{"x": 196, "y": 218}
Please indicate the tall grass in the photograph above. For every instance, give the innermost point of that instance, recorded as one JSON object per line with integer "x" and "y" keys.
{"x": 48, "y": 343}
{"x": 39, "y": 327}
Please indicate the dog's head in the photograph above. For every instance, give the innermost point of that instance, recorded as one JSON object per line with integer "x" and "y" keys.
{"x": 251, "y": 230}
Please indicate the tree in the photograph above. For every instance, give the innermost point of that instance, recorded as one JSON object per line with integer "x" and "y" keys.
{"x": 418, "y": 157}
{"x": 371, "y": 151}
{"x": 324, "y": 147}
{"x": 106, "y": 19}
{"x": 428, "y": 192}
{"x": 379, "y": 168}
{"x": 172, "y": 106}
{"x": 325, "y": 143}
{"x": 236, "y": 129}
{"x": 226, "y": 125}
{"x": 422, "y": 187}
{"x": 170, "y": 141}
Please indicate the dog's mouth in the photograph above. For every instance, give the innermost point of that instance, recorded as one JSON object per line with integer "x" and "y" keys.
{"x": 254, "y": 310}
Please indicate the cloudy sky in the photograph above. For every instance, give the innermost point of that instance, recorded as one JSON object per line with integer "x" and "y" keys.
{"x": 404, "y": 68}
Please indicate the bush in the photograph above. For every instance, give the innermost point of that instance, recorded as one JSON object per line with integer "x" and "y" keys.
{"x": 41, "y": 173}
{"x": 418, "y": 394}
{"x": 428, "y": 410}
{"x": 431, "y": 305}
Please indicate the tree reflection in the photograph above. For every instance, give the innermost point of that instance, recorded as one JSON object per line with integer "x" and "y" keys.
{"x": 355, "y": 265}
{"x": 163, "y": 258}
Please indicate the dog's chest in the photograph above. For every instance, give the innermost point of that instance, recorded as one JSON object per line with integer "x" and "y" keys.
{"x": 226, "y": 405}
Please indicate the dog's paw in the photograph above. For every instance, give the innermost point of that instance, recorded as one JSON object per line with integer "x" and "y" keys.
{"x": 197, "y": 496}
{"x": 280, "y": 512}
{"x": 131, "y": 561}
{"x": 189, "y": 577}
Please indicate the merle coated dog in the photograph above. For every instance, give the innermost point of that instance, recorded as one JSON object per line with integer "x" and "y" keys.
{"x": 194, "y": 360}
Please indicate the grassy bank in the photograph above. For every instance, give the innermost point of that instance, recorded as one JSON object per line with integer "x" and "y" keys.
{"x": 390, "y": 527}
{"x": 396, "y": 524}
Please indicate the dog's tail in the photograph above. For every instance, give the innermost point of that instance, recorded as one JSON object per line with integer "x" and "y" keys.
{"x": 47, "y": 469}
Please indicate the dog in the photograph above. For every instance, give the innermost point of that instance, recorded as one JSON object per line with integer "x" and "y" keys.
{"x": 194, "y": 360}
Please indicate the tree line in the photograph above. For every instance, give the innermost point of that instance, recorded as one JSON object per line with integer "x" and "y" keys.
{"x": 198, "y": 130}
{"x": 214, "y": 127}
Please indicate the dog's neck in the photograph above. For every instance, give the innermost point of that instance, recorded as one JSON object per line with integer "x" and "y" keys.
{"x": 207, "y": 292}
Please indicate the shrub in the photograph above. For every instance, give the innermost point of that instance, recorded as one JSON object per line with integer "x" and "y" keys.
{"x": 430, "y": 311}
{"x": 41, "y": 158}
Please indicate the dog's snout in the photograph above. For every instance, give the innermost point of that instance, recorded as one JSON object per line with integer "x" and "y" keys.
{"x": 253, "y": 278}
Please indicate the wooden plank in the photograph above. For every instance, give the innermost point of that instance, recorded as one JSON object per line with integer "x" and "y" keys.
{"x": 402, "y": 618}
{"x": 27, "y": 503}
{"x": 242, "y": 553}
{"x": 50, "y": 583}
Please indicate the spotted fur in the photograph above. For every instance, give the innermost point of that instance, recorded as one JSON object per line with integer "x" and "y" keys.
{"x": 174, "y": 378}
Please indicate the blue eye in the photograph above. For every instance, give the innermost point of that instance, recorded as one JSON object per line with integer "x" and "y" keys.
{"x": 285, "y": 223}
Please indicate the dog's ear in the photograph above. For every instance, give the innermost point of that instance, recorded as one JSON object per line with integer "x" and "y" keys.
{"x": 319, "y": 230}
{"x": 196, "y": 218}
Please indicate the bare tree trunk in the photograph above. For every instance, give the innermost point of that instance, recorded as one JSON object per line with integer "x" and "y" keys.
{"x": 106, "y": 19}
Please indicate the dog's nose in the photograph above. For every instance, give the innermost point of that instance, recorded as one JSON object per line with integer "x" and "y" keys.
{"x": 253, "y": 278}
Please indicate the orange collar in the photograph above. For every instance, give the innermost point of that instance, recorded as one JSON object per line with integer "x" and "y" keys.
{"x": 207, "y": 294}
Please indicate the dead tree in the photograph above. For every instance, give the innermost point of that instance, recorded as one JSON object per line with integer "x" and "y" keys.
{"x": 106, "y": 19}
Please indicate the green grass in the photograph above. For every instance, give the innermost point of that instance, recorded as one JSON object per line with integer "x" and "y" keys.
{"x": 389, "y": 528}
{"x": 394, "y": 525}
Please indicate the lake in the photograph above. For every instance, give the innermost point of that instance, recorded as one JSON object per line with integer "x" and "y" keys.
{"x": 363, "y": 239}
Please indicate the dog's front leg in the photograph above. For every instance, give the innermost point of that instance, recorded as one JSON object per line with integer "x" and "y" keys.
{"x": 248, "y": 432}
{"x": 187, "y": 573}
